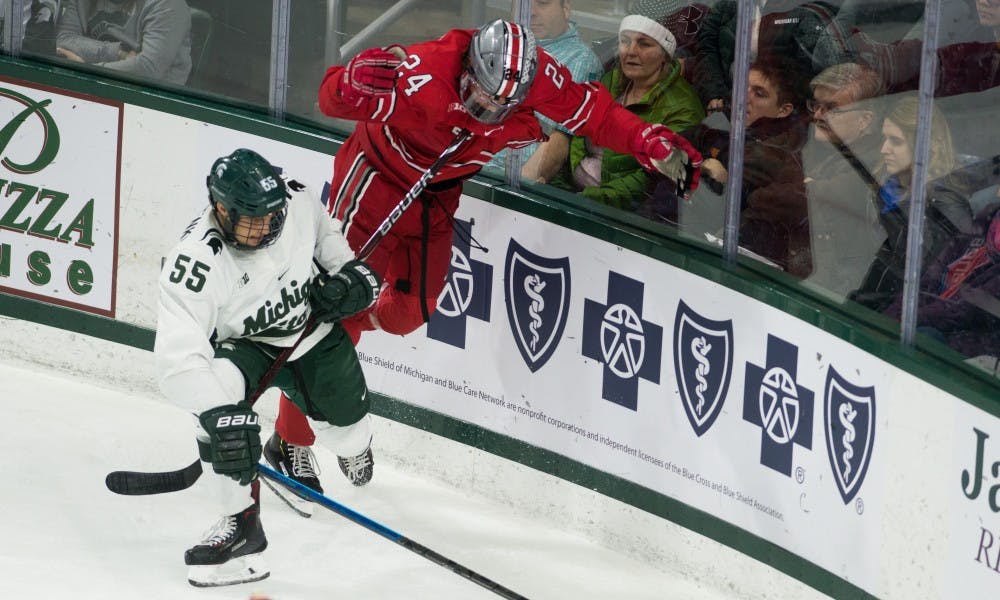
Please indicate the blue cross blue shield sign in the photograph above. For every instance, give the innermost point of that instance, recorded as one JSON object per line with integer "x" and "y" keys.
{"x": 537, "y": 290}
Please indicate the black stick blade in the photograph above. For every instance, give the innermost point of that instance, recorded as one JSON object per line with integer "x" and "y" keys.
{"x": 139, "y": 483}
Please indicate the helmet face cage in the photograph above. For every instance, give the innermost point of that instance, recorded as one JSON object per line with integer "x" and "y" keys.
{"x": 249, "y": 189}
{"x": 502, "y": 64}
{"x": 483, "y": 107}
{"x": 233, "y": 232}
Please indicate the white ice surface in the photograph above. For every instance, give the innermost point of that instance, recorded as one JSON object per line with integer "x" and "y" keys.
{"x": 66, "y": 536}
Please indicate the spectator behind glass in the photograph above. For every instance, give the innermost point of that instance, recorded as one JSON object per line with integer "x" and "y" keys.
{"x": 839, "y": 162}
{"x": 958, "y": 302}
{"x": 39, "y": 22}
{"x": 774, "y": 222}
{"x": 989, "y": 16}
{"x": 947, "y": 213}
{"x": 554, "y": 31}
{"x": 786, "y": 28}
{"x": 683, "y": 19}
{"x": 647, "y": 80}
{"x": 973, "y": 66}
{"x": 145, "y": 38}
{"x": 968, "y": 53}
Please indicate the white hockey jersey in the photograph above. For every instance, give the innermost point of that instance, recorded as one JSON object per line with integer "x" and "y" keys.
{"x": 210, "y": 291}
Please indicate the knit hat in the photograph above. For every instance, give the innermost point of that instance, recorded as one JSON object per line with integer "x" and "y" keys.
{"x": 682, "y": 17}
{"x": 651, "y": 28}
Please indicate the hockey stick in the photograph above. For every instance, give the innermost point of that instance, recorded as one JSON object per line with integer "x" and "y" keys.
{"x": 140, "y": 483}
{"x": 135, "y": 483}
{"x": 387, "y": 533}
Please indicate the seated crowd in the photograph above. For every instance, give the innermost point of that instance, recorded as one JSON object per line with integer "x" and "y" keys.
{"x": 148, "y": 39}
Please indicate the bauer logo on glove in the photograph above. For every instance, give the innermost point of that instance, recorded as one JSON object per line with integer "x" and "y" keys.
{"x": 233, "y": 446}
{"x": 236, "y": 420}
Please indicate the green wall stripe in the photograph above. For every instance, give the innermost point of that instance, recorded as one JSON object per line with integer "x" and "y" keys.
{"x": 620, "y": 489}
{"x": 91, "y": 325}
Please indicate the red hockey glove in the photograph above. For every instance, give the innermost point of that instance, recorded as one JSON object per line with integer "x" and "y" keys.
{"x": 662, "y": 150}
{"x": 371, "y": 74}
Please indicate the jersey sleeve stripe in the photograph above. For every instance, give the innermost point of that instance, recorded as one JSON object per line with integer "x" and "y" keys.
{"x": 358, "y": 188}
{"x": 401, "y": 149}
{"x": 385, "y": 108}
{"x": 582, "y": 114}
{"x": 344, "y": 205}
{"x": 407, "y": 158}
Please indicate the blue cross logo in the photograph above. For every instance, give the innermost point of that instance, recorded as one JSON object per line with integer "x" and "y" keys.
{"x": 775, "y": 402}
{"x": 615, "y": 335}
{"x": 466, "y": 292}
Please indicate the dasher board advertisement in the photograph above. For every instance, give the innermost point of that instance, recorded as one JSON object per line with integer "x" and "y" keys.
{"x": 60, "y": 167}
{"x": 683, "y": 386}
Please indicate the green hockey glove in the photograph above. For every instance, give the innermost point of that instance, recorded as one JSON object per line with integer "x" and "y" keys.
{"x": 234, "y": 441}
{"x": 348, "y": 291}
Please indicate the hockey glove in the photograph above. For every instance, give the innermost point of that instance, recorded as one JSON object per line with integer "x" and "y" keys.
{"x": 348, "y": 291}
{"x": 234, "y": 441}
{"x": 662, "y": 150}
{"x": 371, "y": 74}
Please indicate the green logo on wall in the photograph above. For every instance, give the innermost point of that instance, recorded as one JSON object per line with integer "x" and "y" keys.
{"x": 50, "y": 141}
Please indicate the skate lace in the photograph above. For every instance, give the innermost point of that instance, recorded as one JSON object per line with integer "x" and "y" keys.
{"x": 220, "y": 532}
{"x": 303, "y": 461}
{"x": 356, "y": 464}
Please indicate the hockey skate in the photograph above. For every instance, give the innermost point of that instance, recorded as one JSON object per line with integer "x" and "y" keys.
{"x": 358, "y": 468}
{"x": 230, "y": 552}
{"x": 296, "y": 462}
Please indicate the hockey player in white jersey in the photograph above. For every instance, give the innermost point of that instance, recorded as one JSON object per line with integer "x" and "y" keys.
{"x": 236, "y": 290}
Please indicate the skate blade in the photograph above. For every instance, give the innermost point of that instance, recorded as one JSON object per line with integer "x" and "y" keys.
{"x": 244, "y": 569}
{"x": 300, "y": 505}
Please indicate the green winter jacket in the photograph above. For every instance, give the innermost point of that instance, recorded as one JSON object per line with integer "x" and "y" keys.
{"x": 672, "y": 102}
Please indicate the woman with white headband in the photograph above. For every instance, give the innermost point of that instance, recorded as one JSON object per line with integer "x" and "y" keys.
{"x": 647, "y": 80}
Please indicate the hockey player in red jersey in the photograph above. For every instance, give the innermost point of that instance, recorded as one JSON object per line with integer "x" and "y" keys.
{"x": 409, "y": 104}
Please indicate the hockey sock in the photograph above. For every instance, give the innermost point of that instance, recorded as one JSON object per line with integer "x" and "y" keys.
{"x": 292, "y": 425}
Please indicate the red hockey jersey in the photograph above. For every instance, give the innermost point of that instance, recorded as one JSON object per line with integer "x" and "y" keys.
{"x": 403, "y": 133}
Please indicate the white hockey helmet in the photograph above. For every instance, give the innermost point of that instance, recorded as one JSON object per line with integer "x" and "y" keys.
{"x": 502, "y": 62}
